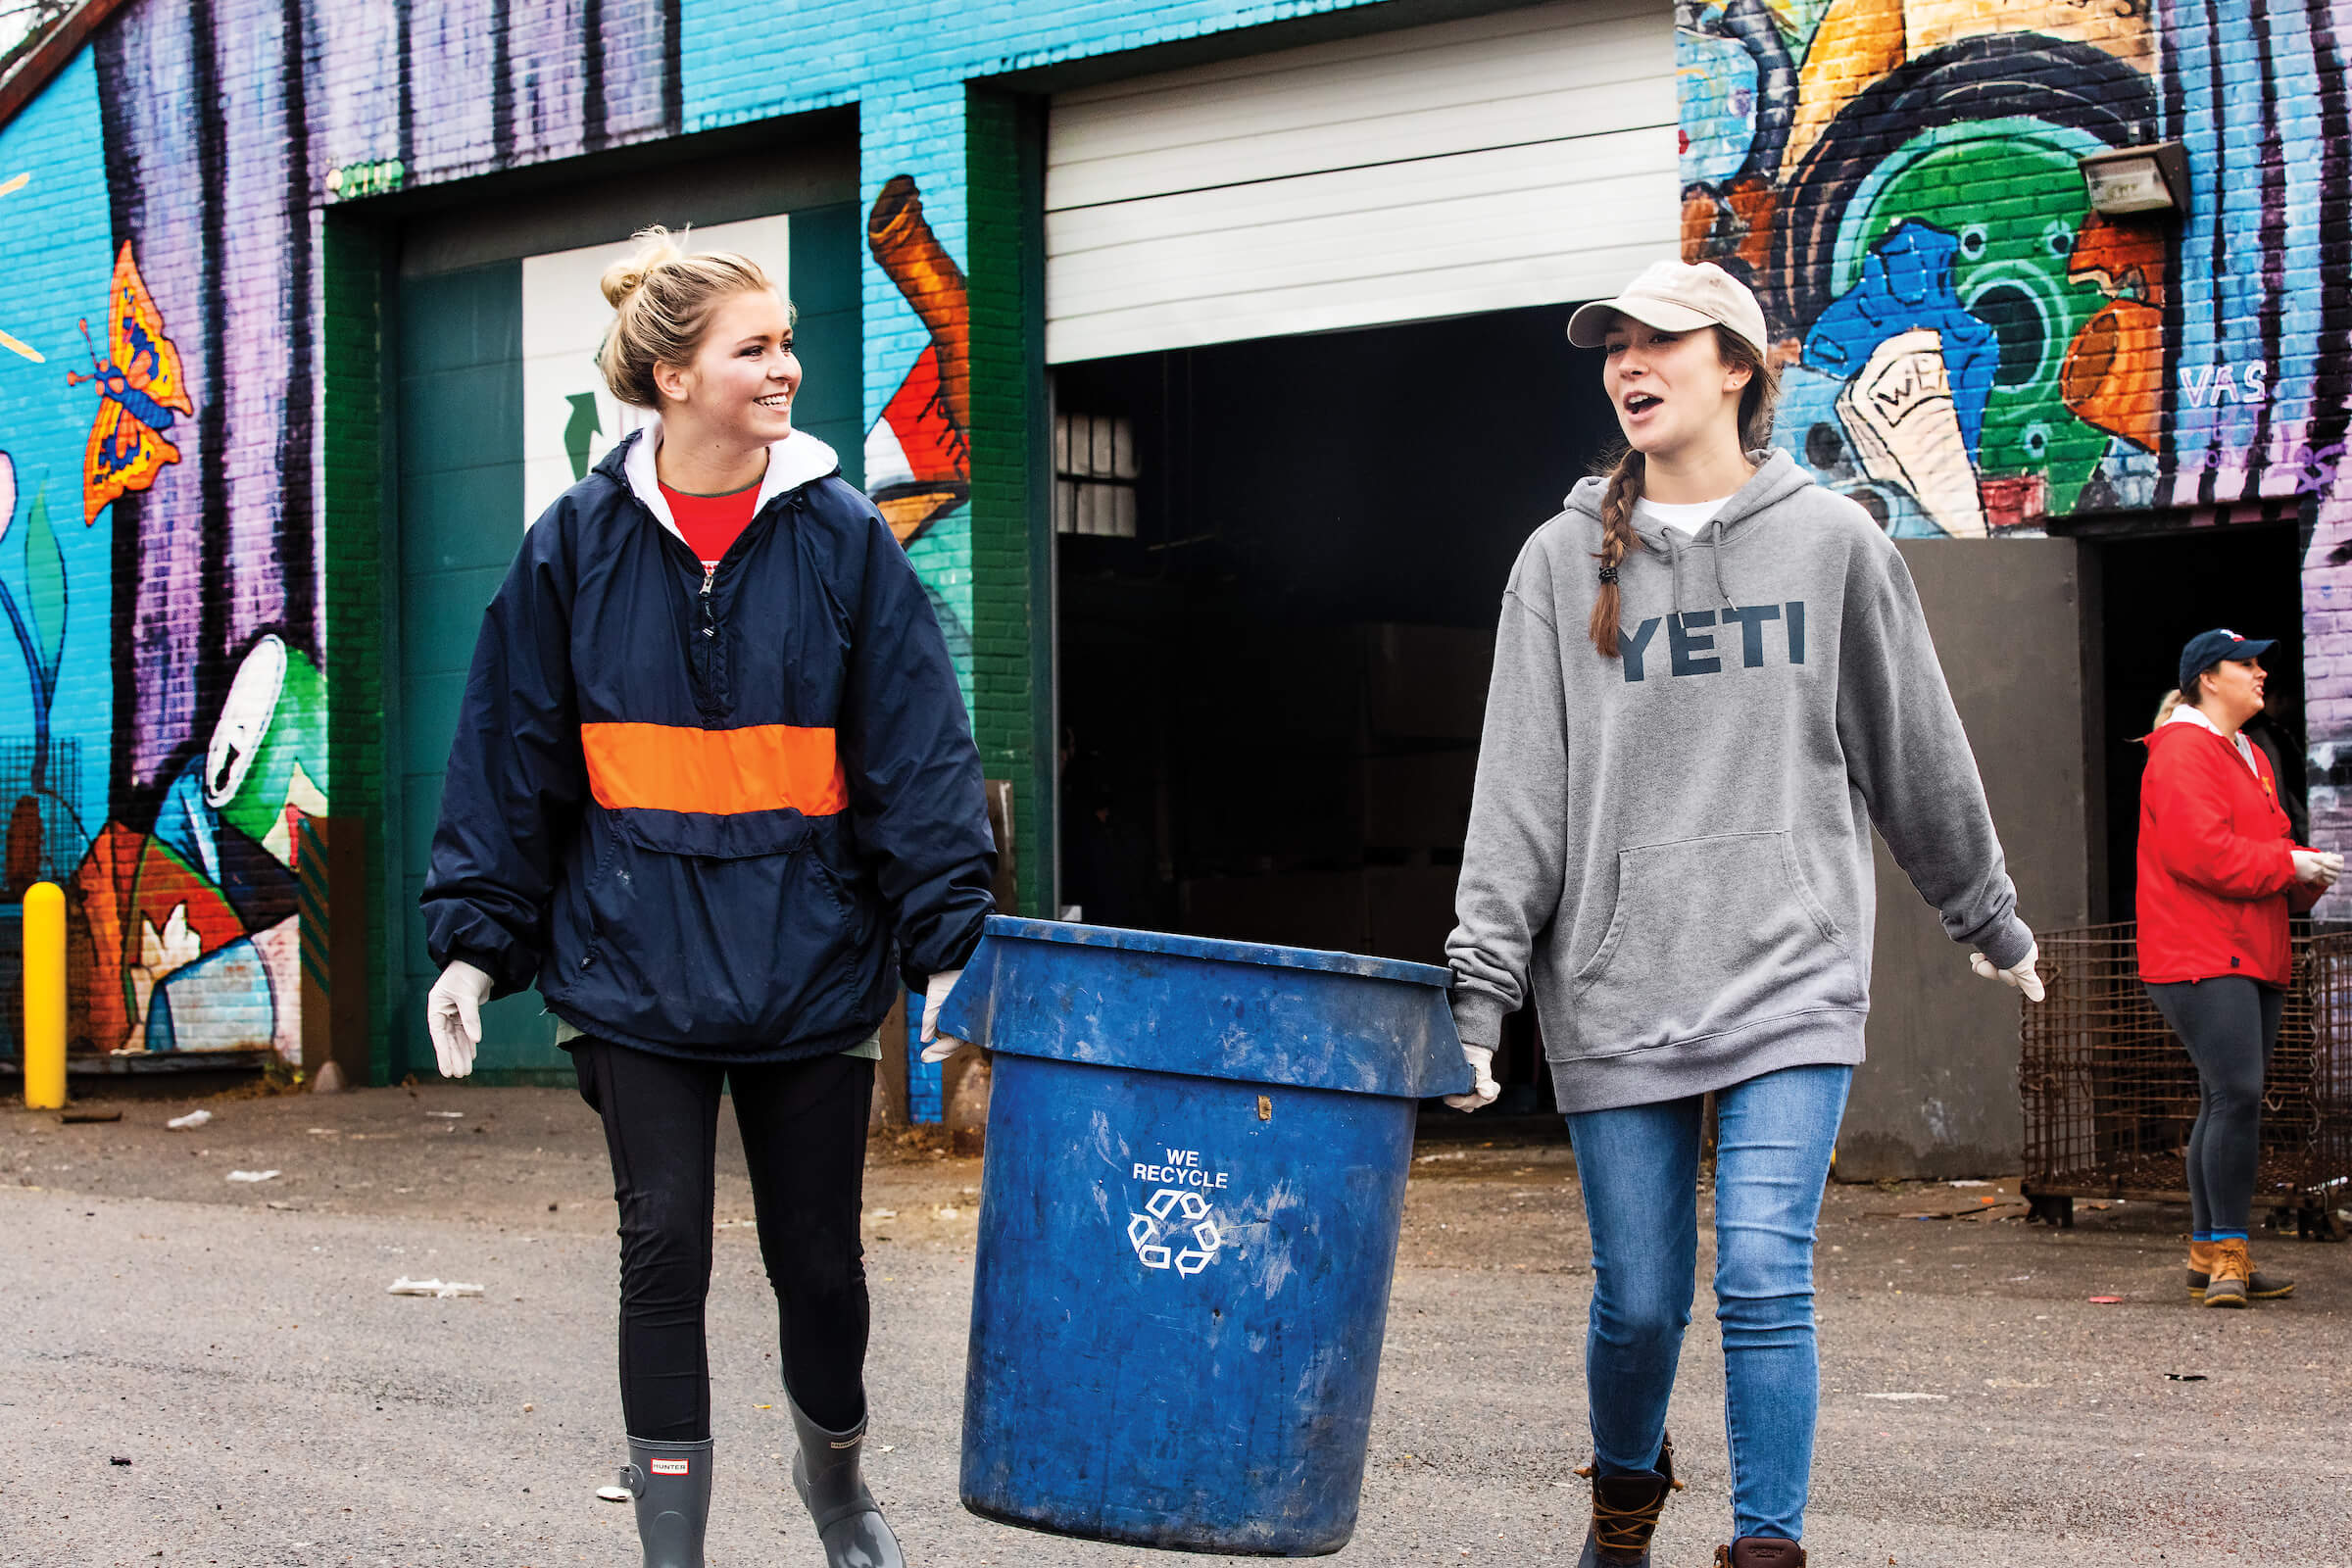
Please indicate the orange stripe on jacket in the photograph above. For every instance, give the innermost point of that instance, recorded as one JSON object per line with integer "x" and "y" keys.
{"x": 671, "y": 768}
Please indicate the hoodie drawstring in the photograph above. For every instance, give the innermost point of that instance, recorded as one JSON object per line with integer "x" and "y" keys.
{"x": 1675, "y": 549}
{"x": 1715, "y": 555}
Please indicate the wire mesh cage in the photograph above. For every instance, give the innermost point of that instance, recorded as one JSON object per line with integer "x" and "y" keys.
{"x": 2109, "y": 1092}
{"x": 40, "y": 782}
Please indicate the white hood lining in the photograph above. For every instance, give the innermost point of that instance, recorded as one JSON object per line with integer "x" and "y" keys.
{"x": 798, "y": 460}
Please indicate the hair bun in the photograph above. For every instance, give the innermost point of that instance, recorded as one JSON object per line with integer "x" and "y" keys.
{"x": 655, "y": 246}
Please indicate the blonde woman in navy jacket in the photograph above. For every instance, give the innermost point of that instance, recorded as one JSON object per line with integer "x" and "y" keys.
{"x": 714, "y": 793}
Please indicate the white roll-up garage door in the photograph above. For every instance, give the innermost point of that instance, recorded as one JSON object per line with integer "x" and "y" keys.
{"x": 1522, "y": 159}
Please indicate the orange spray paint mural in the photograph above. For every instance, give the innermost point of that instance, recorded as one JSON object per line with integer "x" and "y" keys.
{"x": 918, "y": 455}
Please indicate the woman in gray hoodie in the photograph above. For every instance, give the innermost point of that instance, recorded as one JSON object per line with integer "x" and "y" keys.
{"x": 1712, "y": 678}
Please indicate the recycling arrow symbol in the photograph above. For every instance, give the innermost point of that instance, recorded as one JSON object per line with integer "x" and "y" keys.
{"x": 1174, "y": 1211}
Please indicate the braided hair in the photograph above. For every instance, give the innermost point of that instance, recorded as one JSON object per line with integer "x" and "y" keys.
{"x": 1616, "y": 539}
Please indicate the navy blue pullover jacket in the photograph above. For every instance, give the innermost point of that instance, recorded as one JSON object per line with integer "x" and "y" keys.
{"x": 707, "y": 812}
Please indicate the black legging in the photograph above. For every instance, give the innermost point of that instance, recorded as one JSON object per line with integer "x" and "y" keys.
{"x": 2229, "y": 1025}
{"x": 804, "y": 1139}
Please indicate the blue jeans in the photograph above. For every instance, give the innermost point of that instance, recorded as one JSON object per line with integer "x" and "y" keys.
{"x": 1639, "y": 1168}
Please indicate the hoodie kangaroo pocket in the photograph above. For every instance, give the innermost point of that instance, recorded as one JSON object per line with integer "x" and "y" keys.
{"x": 1706, "y": 934}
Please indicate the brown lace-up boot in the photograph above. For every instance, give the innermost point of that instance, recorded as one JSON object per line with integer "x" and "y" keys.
{"x": 2260, "y": 1286}
{"x": 1760, "y": 1551}
{"x": 1625, "y": 1513}
{"x": 2232, "y": 1268}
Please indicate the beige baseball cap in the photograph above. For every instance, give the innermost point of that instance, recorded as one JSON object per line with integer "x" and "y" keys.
{"x": 1675, "y": 297}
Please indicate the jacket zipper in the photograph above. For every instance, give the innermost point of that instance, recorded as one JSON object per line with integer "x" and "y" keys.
{"x": 709, "y": 572}
{"x": 711, "y": 648}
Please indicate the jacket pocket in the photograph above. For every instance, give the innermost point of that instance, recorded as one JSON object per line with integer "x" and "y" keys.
{"x": 1706, "y": 934}
{"x": 727, "y": 933}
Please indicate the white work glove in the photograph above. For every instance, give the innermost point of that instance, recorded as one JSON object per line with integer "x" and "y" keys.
{"x": 2021, "y": 975}
{"x": 453, "y": 1015}
{"x": 2317, "y": 868}
{"x": 936, "y": 1045}
{"x": 1482, "y": 1068}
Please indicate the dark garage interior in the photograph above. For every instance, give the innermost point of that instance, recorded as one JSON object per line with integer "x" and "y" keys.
{"x": 1279, "y": 563}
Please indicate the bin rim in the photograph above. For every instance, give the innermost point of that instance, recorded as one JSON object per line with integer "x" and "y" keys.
{"x": 1217, "y": 949}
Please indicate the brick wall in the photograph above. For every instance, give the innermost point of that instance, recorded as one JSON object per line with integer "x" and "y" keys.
{"x": 1969, "y": 352}
{"x": 1012, "y": 686}
{"x": 355, "y": 263}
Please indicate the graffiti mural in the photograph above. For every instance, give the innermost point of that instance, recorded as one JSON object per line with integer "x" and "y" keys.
{"x": 918, "y": 460}
{"x": 191, "y": 924}
{"x": 142, "y": 385}
{"x": 221, "y": 132}
{"x": 1968, "y": 349}
{"x": 1902, "y": 188}
{"x": 918, "y": 454}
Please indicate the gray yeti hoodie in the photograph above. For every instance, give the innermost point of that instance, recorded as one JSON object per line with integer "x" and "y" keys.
{"x": 1673, "y": 847}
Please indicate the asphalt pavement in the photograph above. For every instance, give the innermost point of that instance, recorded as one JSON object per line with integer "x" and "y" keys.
{"x": 234, "y": 1342}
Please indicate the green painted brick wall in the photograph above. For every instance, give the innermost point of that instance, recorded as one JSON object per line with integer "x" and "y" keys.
{"x": 354, "y": 455}
{"x": 1012, "y": 539}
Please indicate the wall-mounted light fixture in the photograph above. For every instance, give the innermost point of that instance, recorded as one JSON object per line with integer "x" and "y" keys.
{"x": 2138, "y": 179}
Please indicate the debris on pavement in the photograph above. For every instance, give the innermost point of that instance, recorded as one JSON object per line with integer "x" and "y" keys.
{"x": 194, "y": 1118}
{"x": 253, "y": 1175}
{"x": 118, "y": 1458}
{"x": 2106, "y": 1301}
{"x": 438, "y": 1289}
{"x": 446, "y": 1115}
{"x": 2185, "y": 1376}
{"x": 1906, "y": 1395}
{"x": 611, "y": 1494}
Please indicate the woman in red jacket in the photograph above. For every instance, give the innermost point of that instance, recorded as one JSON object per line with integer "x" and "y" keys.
{"x": 2218, "y": 873}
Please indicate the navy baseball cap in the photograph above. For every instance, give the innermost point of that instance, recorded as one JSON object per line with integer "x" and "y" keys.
{"x": 2209, "y": 648}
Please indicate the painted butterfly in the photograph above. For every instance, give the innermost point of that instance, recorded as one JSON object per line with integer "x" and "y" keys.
{"x": 140, "y": 384}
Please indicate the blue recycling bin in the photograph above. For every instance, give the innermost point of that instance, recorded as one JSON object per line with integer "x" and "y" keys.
{"x": 1196, "y": 1166}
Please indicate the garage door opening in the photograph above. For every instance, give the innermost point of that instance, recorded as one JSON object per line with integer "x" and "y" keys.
{"x": 1280, "y": 566}
{"x": 2157, "y": 594}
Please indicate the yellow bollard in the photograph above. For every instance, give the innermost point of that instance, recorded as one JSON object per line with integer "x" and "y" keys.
{"x": 44, "y": 997}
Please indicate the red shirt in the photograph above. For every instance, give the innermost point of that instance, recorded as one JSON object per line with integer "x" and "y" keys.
{"x": 710, "y": 523}
{"x": 2217, "y": 870}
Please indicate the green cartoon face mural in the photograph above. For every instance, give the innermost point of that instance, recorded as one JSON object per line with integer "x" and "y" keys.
{"x": 264, "y": 751}
{"x": 2011, "y": 193}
